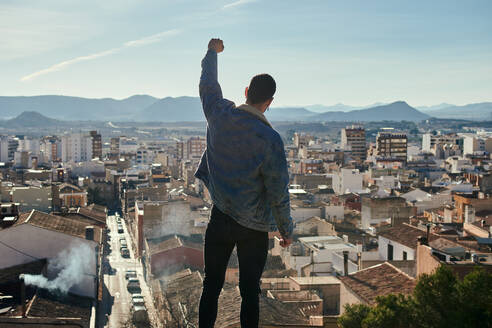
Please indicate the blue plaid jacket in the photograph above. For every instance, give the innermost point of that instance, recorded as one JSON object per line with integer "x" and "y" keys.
{"x": 244, "y": 165}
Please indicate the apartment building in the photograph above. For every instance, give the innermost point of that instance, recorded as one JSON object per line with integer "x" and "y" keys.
{"x": 346, "y": 181}
{"x": 476, "y": 144}
{"x": 353, "y": 140}
{"x": 76, "y": 147}
{"x": 96, "y": 144}
{"x": 430, "y": 141}
{"x": 392, "y": 145}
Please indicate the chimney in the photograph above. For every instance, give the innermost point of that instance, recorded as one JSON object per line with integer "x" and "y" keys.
{"x": 482, "y": 223}
{"x": 89, "y": 232}
{"x": 23, "y": 295}
{"x": 345, "y": 263}
{"x": 428, "y": 231}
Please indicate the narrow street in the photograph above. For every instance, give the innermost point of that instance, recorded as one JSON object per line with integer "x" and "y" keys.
{"x": 116, "y": 301}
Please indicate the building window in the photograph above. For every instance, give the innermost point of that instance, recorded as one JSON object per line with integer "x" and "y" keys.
{"x": 405, "y": 256}
{"x": 390, "y": 252}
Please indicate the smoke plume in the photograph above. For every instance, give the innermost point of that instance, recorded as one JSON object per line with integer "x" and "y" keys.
{"x": 72, "y": 265}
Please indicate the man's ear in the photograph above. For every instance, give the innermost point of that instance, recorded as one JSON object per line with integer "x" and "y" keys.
{"x": 246, "y": 92}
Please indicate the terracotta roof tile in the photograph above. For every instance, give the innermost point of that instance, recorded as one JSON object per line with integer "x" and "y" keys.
{"x": 158, "y": 245}
{"x": 378, "y": 280}
{"x": 57, "y": 223}
{"x": 405, "y": 234}
{"x": 272, "y": 312}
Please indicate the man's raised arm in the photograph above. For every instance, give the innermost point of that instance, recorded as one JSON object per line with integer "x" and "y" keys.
{"x": 210, "y": 91}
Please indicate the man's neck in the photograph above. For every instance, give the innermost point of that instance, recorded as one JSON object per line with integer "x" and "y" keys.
{"x": 258, "y": 107}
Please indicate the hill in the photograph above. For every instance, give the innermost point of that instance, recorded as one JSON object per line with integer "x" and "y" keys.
{"x": 172, "y": 109}
{"x": 76, "y": 108}
{"x": 477, "y": 112}
{"x": 30, "y": 119}
{"x": 289, "y": 114}
{"x": 397, "y": 111}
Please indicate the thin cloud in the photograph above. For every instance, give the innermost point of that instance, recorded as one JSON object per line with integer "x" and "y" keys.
{"x": 134, "y": 43}
{"x": 151, "y": 39}
{"x": 237, "y": 3}
{"x": 66, "y": 63}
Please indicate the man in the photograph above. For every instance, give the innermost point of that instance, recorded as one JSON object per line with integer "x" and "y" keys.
{"x": 245, "y": 171}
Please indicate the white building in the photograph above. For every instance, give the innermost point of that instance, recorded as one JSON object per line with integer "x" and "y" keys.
{"x": 346, "y": 181}
{"x": 459, "y": 164}
{"x": 85, "y": 169}
{"x": 50, "y": 150}
{"x": 425, "y": 201}
{"x": 30, "y": 145}
{"x": 429, "y": 141}
{"x": 128, "y": 145}
{"x": 399, "y": 242}
{"x": 476, "y": 144}
{"x": 76, "y": 147}
{"x": 8, "y": 147}
{"x": 319, "y": 255}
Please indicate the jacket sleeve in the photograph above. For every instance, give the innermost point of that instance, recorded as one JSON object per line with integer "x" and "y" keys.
{"x": 210, "y": 91}
{"x": 276, "y": 180}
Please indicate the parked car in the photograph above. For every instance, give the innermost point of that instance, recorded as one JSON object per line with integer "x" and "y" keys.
{"x": 124, "y": 251}
{"x": 130, "y": 274}
{"x": 123, "y": 243}
{"x": 138, "y": 301}
{"x": 120, "y": 228}
{"x": 133, "y": 285}
{"x": 140, "y": 314}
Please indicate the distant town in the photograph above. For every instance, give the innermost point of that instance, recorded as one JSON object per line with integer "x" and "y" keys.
{"x": 102, "y": 222}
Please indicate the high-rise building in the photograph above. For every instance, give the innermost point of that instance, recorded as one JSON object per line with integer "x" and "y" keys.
{"x": 392, "y": 145}
{"x": 8, "y": 147}
{"x": 354, "y": 142}
{"x": 76, "y": 147}
{"x": 180, "y": 150}
{"x": 195, "y": 146}
{"x": 96, "y": 144}
{"x": 50, "y": 149}
{"x": 114, "y": 148}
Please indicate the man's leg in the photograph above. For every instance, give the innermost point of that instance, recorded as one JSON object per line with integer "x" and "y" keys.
{"x": 252, "y": 254}
{"x": 218, "y": 249}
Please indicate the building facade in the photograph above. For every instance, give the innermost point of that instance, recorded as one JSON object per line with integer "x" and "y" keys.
{"x": 353, "y": 140}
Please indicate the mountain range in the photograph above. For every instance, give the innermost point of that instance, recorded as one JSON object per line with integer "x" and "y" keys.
{"x": 143, "y": 108}
{"x": 475, "y": 112}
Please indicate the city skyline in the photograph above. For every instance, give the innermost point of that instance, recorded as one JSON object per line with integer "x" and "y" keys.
{"x": 357, "y": 54}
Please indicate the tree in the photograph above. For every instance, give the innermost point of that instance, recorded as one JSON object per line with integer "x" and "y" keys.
{"x": 439, "y": 300}
{"x": 353, "y": 316}
{"x": 94, "y": 196}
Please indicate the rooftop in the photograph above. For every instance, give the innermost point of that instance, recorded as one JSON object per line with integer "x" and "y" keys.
{"x": 325, "y": 280}
{"x": 378, "y": 280}
{"x": 405, "y": 234}
{"x": 57, "y": 223}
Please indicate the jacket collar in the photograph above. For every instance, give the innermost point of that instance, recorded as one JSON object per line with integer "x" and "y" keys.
{"x": 253, "y": 110}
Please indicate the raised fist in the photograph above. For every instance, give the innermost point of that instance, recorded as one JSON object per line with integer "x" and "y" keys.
{"x": 216, "y": 45}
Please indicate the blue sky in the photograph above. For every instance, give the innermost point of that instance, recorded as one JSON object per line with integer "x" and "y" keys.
{"x": 319, "y": 52}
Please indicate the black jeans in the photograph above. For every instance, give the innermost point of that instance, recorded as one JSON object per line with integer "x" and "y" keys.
{"x": 223, "y": 233}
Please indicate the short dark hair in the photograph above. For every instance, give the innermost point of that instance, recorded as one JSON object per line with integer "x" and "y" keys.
{"x": 261, "y": 88}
